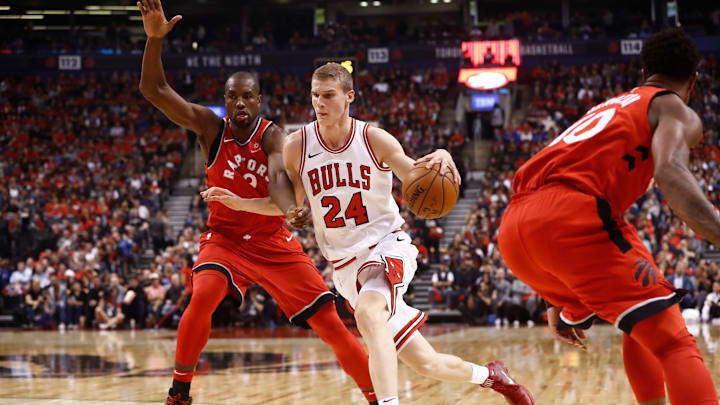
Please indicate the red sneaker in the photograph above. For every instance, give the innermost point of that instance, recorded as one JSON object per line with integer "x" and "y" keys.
{"x": 177, "y": 399}
{"x": 500, "y": 381}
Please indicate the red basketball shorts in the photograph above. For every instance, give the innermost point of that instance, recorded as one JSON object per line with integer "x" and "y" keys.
{"x": 567, "y": 246}
{"x": 276, "y": 262}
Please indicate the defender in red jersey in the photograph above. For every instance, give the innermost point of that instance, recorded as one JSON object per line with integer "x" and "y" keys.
{"x": 563, "y": 233}
{"x": 243, "y": 155}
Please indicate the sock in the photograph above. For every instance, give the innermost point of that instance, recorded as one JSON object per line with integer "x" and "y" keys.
{"x": 643, "y": 370}
{"x": 389, "y": 401}
{"x": 666, "y": 336}
{"x": 348, "y": 350}
{"x": 479, "y": 374}
{"x": 179, "y": 387}
{"x": 194, "y": 329}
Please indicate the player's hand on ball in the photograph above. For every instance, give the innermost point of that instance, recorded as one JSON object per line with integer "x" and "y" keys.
{"x": 571, "y": 336}
{"x": 447, "y": 164}
{"x": 154, "y": 21}
{"x": 223, "y": 196}
{"x": 298, "y": 217}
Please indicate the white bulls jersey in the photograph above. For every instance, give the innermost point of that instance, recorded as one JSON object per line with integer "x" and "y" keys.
{"x": 350, "y": 192}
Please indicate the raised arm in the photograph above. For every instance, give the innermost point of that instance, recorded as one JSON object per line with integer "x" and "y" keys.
{"x": 389, "y": 152}
{"x": 677, "y": 129}
{"x": 155, "y": 88}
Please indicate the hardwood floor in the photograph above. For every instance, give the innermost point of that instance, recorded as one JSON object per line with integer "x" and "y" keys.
{"x": 291, "y": 366}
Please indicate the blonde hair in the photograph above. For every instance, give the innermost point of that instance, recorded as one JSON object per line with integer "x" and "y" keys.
{"x": 334, "y": 71}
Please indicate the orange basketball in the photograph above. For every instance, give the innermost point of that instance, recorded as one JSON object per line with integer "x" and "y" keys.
{"x": 429, "y": 193}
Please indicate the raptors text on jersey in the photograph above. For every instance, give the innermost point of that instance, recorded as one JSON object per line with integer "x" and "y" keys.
{"x": 243, "y": 169}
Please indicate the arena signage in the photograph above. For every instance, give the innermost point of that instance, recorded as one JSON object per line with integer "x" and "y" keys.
{"x": 484, "y": 102}
{"x": 500, "y": 50}
{"x": 69, "y": 62}
{"x": 631, "y": 46}
{"x": 378, "y": 55}
{"x": 220, "y": 61}
{"x": 448, "y": 52}
{"x": 551, "y": 48}
{"x": 487, "y": 78}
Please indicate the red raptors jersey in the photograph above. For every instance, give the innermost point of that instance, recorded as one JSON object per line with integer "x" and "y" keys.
{"x": 243, "y": 169}
{"x": 607, "y": 153}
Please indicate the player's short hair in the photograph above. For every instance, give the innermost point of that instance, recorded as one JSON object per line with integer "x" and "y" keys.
{"x": 334, "y": 71}
{"x": 241, "y": 75}
{"x": 670, "y": 52}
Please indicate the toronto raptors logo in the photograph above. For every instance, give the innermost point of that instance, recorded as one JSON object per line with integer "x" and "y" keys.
{"x": 254, "y": 147}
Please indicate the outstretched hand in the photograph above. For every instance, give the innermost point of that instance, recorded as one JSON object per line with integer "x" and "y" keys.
{"x": 298, "y": 217}
{"x": 154, "y": 21}
{"x": 571, "y": 336}
{"x": 223, "y": 196}
{"x": 445, "y": 160}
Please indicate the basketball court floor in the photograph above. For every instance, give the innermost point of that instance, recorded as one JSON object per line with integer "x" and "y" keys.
{"x": 290, "y": 366}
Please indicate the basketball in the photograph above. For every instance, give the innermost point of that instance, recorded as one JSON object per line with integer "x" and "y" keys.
{"x": 429, "y": 193}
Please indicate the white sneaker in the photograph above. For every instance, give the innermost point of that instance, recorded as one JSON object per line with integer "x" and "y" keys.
{"x": 497, "y": 322}
{"x": 530, "y": 323}
{"x": 61, "y": 327}
{"x": 102, "y": 326}
{"x": 516, "y": 324}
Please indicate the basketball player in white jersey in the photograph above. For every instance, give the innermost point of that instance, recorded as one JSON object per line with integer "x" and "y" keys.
{"x": 345, "y": 168}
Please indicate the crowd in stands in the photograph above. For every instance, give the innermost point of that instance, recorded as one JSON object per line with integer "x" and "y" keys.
{"x": 85, "y": 170}
{"x": 222, "y": 35}
{"x": 87, "y": 165}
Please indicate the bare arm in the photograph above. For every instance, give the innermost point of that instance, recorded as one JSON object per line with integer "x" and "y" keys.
{"x": 678, "y": 129}
{"x": 155, "y": 88}
{"x": 281, "y": 188}
{"x": 262, "y": 206}
{"x": 389, "y": 152}
{"x": 291, "y": 157}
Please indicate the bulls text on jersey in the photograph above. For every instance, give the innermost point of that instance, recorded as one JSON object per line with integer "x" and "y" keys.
{"x": 336, "y": 174}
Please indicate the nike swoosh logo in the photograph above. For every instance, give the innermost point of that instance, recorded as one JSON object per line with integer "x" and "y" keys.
{"x": 400, "y": 240}
{"x": 228, "y": 140}
{"x": 288, "y": 238}
{"x": 312, "y": 156}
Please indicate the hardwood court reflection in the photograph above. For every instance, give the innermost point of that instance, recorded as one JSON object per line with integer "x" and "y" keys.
{"x": 290, "y": 366}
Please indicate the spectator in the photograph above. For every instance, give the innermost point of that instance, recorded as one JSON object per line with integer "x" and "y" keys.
{"x": 93, "y": 293}
{"x": 57, "y": 293}
{"x": 509, "y": 306}
{"x": 37, "y": 310}
{"x": 77, "y": 302}
{"x": 156, "y": 297}
{"x": 681, "y": 280}
{"x": 440, "y": 292}
{"x": 522, "y": 295}
{"x": 22, "y": 275}
{"x": 174, "y": 301}
{"x": 257, "y": 309}
{"x": 477, "y": 306}
{"x": 711, "y": 307}
{"x": 463, "y": 280}
{"x": 134, "y": 303}
{"x": 434, "y": 237}
{"x": 108, "y": 313}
